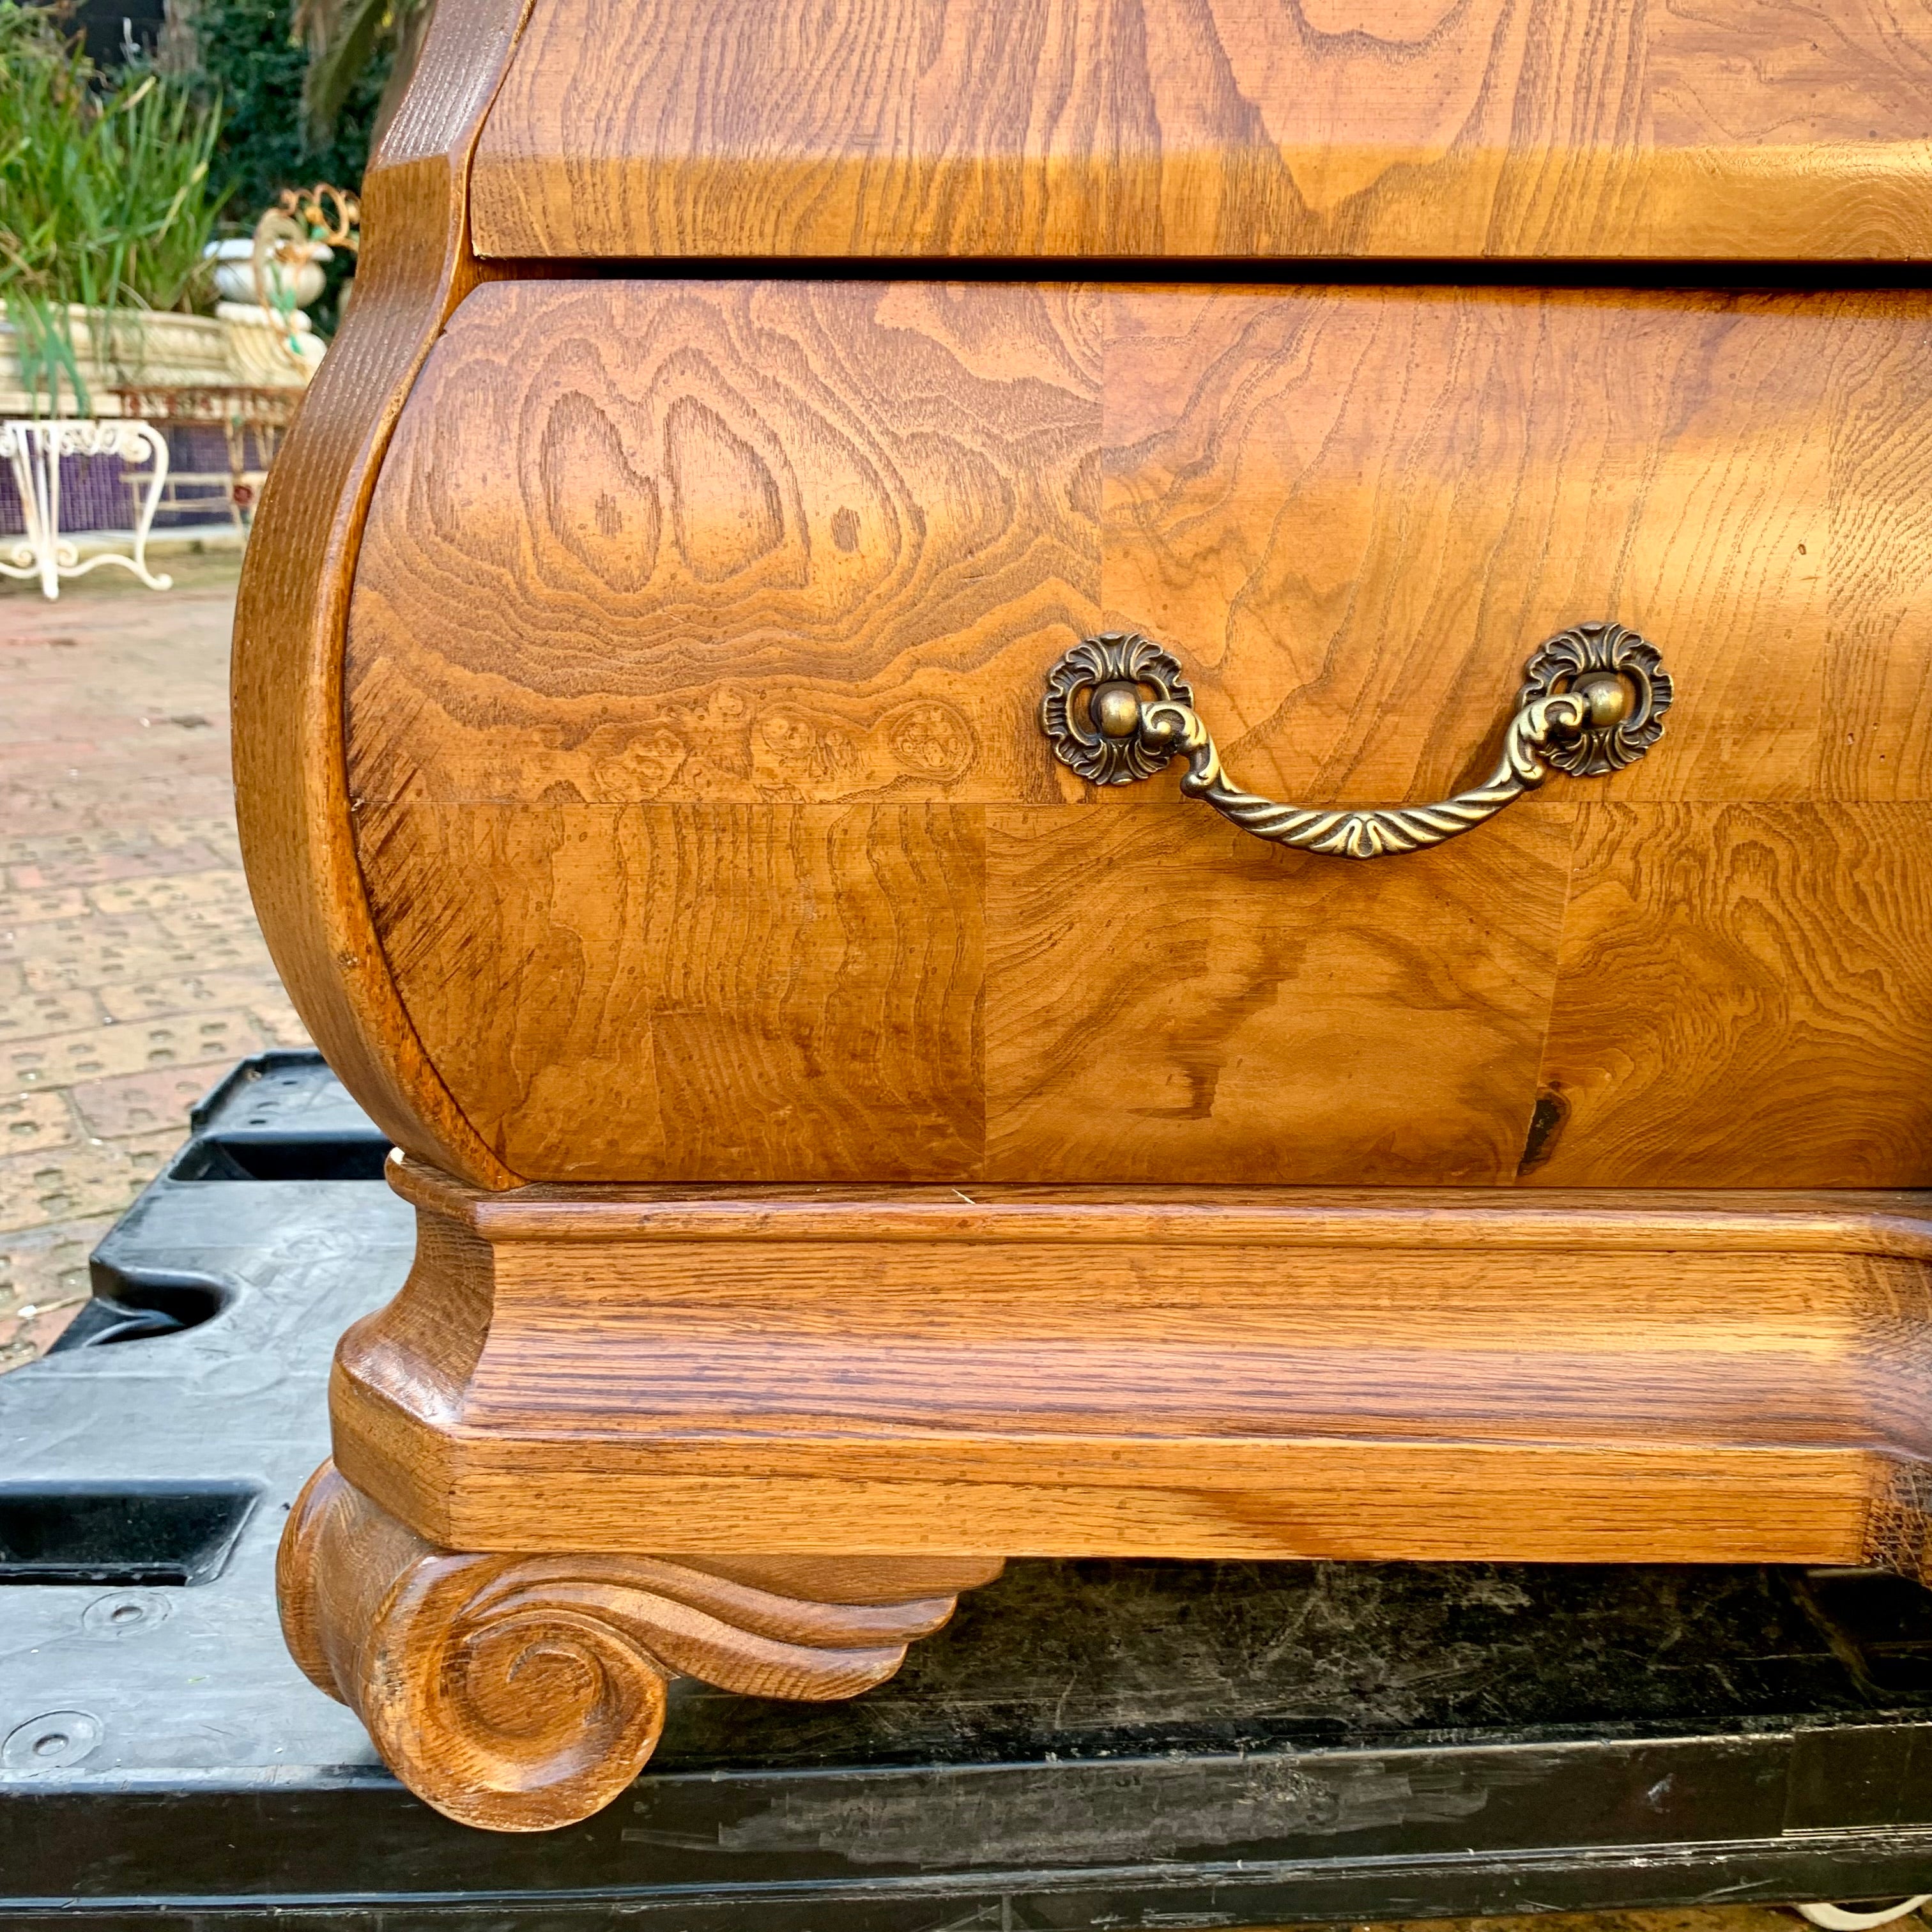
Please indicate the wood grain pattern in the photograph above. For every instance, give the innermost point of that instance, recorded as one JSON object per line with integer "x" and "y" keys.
{"x": 1743, "y": 989}
{"x": 730, "y": 990}
{"x": 291, "y": 798}
{"x": 692, "y": 671}
{"x": 1891, "y": 1224}
{"x": 1263, "y": 1016}
{"x": 730, "y": 542}
{"x": 1881, "y": 516}
{"x": 733, "y": 552}
{"x": 1357, "y": 511}
{"x": 668, "y": 805}
{"x": 1759, "y": 130}
{"x": 523, "y": 1694}
{"x": 1286, "y": 1373}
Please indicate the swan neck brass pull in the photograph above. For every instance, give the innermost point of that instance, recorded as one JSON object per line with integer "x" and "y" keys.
{"x": 1592, "y": 701}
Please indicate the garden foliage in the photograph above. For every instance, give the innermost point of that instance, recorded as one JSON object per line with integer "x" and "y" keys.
{"x": 107, "y": 198}
{"x": 251, "y": 55}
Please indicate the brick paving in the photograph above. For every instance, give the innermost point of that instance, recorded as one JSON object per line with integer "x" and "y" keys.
{"x": 132, "y": 973}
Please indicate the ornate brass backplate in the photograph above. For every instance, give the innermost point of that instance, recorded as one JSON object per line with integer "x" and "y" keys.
{"x": 1104, "y": 664}
{"x": 1118, "y": 709}
{"x": 1589, "y": 657}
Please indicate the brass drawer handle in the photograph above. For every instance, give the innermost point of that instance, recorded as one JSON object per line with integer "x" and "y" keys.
{"x": 1592, "y": 701}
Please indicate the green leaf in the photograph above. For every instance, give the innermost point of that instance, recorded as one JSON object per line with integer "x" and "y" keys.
{"x": 342, "y": 36}
{"x": 106, "y": 199}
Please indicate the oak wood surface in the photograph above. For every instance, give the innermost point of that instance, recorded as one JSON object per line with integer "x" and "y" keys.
{"x": 1286, "y": 1373}
{"x": 1758, "y": 130}
{"x": 1337, "y": 1502}
{"x": 1679, "y": 1023}
{"x": 521, "y": 1694}
{"x": 692, "y": 672}
{"x": 666, "y": 804}
{"x": 1201, "y": 1007}
{"x": 291, "y": 798}
{"x": 1892, "y": 1223}
{"x": 1355, "y": 511}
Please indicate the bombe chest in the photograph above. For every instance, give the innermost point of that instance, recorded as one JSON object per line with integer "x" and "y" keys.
{"x": 1147, "y": 779}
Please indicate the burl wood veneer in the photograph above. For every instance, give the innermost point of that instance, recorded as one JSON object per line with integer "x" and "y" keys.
{"x": 849, "y": 1146}
{"x": 692, "y": 675}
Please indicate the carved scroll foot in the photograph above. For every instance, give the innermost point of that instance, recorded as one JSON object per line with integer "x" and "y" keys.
{"x": 522, "y": 1693}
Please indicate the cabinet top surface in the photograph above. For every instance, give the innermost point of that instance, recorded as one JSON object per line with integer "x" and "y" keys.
{"x": 1758, "y": 131}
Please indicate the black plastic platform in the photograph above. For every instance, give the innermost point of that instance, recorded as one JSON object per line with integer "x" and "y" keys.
{"x": 1089, "y": 1745}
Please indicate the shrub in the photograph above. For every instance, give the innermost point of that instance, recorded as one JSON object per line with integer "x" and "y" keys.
{"x": 249, "y": 53}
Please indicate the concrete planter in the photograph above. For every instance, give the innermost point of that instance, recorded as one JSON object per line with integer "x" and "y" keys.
{"x": 295, "y": 283}
{"x": 136, "y": 345}
{"x": 270, "y": 351}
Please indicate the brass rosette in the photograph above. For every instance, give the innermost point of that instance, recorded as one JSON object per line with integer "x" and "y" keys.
{"x": 1587, "y": 650}
{"x": 1113, "y": 657}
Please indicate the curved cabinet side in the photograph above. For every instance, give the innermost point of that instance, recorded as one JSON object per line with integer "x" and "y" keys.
{"x": 291, "y": 793}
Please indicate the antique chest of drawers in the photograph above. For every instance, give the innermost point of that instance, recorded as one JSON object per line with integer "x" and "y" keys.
{"x": 1141, "y": 777}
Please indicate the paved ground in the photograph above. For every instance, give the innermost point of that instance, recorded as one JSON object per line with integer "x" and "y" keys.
{"x": 131, "y": 970}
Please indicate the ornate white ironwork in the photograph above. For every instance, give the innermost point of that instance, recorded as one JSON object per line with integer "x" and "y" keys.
{"x": 34, "y": 448}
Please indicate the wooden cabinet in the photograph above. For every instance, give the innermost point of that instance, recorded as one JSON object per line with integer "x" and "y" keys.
{"x": 852, "y": 1147}
{"x": 1739, "y": 130}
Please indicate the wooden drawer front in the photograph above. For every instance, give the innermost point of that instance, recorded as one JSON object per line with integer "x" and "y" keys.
{"x": 694, "y": 663}
{"x": 1740, "y": 129}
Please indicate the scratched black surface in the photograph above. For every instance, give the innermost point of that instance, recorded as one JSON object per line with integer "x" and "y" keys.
{"x": 1120, "y": 1657}
{"x": 1089, "y": 1744}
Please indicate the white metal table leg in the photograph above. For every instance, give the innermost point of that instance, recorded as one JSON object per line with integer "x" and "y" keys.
{"x": 34, "y": 448}
{"x": 38, "y": 555}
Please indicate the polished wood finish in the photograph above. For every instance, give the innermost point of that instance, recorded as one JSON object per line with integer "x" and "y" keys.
{"x": 693, "y": 669}
{"x": 778, "y": 818}
{"x": 291, "y": 797}
{"x": 1734, "y": 970}
{"x": 848, "y": 1150}
{"x": 1333, "y": 1024}
{"x": 1735, "y": 129}
{"x": 524, "y": 1693}
{"x": 1595, "y": 1376}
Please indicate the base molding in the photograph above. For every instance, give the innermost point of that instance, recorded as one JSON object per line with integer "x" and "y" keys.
{"x": 1595, "y": 1377}
{"x": 763, "y": 1437}
{"x": 522, "y": 1693}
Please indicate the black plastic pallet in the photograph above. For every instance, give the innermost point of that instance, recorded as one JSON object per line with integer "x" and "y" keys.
{"x": 1089, "y": 1745}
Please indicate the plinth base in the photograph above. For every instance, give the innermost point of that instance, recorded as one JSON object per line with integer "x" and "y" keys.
{"x": 594, "y": 1416}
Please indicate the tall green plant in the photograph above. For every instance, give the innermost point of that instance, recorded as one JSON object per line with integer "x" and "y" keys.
{"x": 105, "y": 200}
